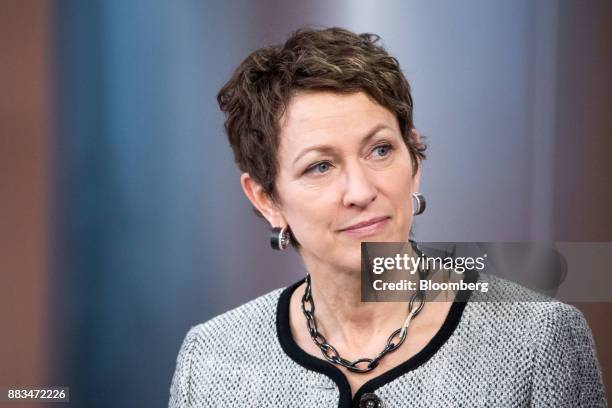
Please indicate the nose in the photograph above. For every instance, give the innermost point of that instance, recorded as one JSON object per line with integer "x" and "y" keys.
{"x": 359, "y": 191}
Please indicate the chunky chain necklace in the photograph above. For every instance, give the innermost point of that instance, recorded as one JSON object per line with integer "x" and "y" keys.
{"x": 330, "y": 352}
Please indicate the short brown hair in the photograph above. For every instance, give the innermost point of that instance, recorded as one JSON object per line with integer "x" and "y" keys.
{"x": 330, "y": 59}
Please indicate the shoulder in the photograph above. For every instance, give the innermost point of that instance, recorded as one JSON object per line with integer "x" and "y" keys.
{"x": 238, "y": 326}
{"x": 218, "y": 352}
{"x": 519, "y": 315}
{"x": 504, "y": 297}
{"x": 548, "y": 340}
{"x": 534, "y": 343}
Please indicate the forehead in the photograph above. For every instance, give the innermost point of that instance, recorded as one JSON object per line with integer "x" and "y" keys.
{"x": 313, "y": 117}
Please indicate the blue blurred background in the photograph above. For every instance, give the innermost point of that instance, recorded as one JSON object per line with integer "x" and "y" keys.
{"x": 124, "y": 223}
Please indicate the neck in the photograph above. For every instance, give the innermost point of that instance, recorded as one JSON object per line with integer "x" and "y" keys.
{"x": 351, "y": 324}
{"x": 343, "y": 318}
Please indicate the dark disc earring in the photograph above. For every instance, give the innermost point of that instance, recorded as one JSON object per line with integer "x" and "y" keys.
{"x": 419, "y": 203}
{"x": 279, "y": 238}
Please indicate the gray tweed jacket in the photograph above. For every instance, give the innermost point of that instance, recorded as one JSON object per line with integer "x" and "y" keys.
{"x": 489, "y": 352}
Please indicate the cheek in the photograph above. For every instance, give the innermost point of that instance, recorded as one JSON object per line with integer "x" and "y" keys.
{"x": 400, "y": 186}
{"x": 403, "y": 207}
{"x": 309, "y": 214}
{"x": 399, "y": 182}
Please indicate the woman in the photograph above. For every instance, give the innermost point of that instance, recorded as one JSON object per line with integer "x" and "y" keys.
{"x": 322, "y": 130}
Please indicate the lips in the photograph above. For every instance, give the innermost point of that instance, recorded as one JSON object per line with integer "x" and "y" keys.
{"x": 364, "y": 223}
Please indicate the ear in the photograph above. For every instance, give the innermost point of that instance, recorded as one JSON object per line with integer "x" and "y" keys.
{"x": 260, "y": 200}
{"x": 416, "y": 137}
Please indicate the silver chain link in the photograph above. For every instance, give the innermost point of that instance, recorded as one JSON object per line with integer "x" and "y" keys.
{"x": 330, "y": 352}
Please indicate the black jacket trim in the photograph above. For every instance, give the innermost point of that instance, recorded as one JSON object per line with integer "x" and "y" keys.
{"x": 310, "y": 362}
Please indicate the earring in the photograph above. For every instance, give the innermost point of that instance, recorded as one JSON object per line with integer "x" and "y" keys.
{"x": 279, "y": 238}
{"x": 419, "y": 205}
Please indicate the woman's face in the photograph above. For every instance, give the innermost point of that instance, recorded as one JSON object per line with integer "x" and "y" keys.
{"x": 342, "y": 161}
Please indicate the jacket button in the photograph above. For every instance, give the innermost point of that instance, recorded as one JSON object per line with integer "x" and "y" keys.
{"x": 370, "y": 400}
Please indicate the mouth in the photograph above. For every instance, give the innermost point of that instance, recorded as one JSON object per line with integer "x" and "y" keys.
{"x": 371, "y": 226}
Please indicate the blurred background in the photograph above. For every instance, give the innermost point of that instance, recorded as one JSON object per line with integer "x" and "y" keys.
{"x": 122, "y": 221}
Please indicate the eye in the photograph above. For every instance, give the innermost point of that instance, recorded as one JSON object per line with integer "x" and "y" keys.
{"x": 383, "y": 150}
{"x": 321, "y": 167}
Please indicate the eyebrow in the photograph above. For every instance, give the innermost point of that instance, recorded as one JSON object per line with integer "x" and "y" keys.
{"x": 327, "y": 148}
